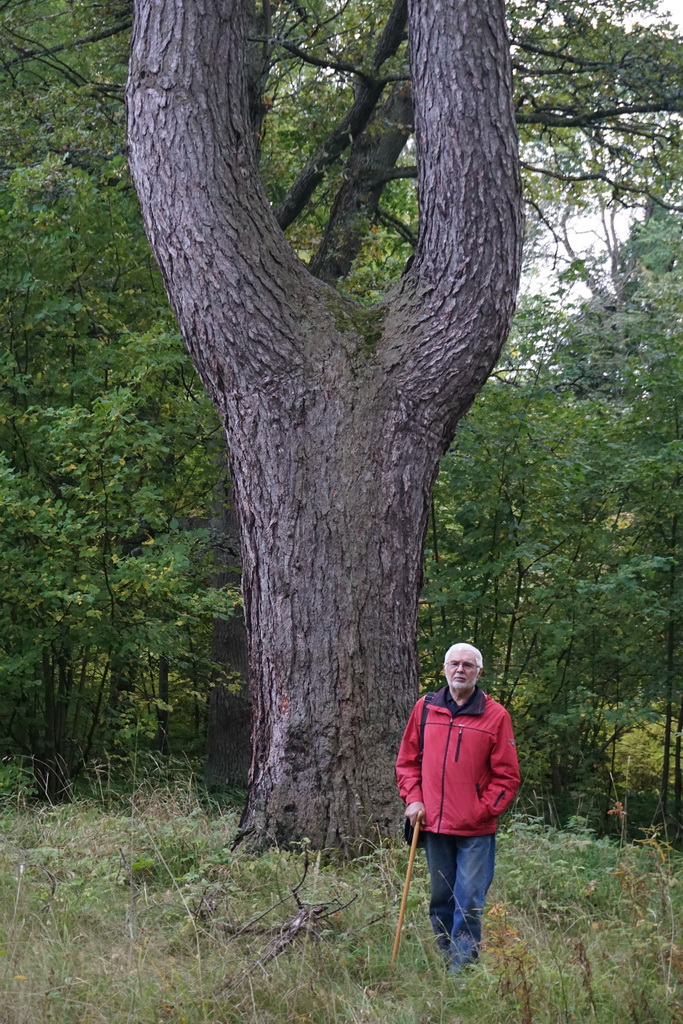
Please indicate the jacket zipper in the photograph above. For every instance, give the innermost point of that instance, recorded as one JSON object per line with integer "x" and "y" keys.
{"x": 457, "y": 749}
{"x": 443, "y": 773}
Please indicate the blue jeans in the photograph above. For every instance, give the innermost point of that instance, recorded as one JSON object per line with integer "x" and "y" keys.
{"x": 460, "y": 873}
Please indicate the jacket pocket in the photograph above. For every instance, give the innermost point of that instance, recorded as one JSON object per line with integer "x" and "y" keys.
{"x": 484, "y": 812}
{"x": 463, "y": 809}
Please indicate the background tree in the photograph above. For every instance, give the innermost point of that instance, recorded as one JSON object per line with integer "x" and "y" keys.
{"x": 105, "y": 604}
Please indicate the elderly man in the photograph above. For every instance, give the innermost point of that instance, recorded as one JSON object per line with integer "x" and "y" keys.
{"x": 458, "y": 765}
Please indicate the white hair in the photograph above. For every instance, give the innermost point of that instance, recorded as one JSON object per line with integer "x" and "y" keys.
{"x": 475, "y": 651}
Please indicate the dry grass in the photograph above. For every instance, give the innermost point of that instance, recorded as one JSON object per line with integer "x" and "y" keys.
{"x": 143, "y": 914}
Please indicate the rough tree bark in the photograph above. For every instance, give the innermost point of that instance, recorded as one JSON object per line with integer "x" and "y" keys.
{"x": 228, "y": 748}
{"x": 336, "y": 415}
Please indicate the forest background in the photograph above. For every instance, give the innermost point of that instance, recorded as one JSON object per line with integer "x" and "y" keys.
{"x": 555, "y": 535}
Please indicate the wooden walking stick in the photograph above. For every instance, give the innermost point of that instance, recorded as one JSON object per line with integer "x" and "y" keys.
{"x": 411, "y": 858}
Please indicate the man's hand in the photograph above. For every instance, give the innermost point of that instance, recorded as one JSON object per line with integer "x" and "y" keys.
{"x": 412, "y": 811}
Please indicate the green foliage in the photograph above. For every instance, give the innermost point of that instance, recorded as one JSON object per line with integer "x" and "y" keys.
{"x": 108, "y": 445}
{"x": 576, "y": 61}
{"x": 597, "y": 102}
{"x": 559, "y": 540}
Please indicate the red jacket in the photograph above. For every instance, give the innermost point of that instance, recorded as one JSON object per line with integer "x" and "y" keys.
{"x": 467, "y": 773}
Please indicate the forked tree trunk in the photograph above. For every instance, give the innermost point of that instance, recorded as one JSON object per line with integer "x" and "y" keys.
{"x": 335, "y": 415}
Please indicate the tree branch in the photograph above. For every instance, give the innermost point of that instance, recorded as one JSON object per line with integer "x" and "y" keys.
{"x": 617, "y": 186}
{"x": 48, "y": 51}
{"x": 350, "y": 127}
{"x": 316, "y": 62}
{"x": 467, "y": 261}
{"x": 357, "y": 200}
{"x": 466, "y": 141}
{"x": 552, "y": 119}
{"x": 395, "y": 174}
{"x": 406, "y": 232}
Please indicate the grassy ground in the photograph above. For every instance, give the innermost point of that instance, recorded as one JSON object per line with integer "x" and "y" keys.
{"x": 138, "y": 912}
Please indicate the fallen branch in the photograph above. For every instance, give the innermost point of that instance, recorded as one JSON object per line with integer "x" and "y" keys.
{"x": 307, "y": 916}
{"x": 53, "y": 886}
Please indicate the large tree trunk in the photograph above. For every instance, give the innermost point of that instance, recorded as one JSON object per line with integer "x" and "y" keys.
{"x": 336, "y": 416}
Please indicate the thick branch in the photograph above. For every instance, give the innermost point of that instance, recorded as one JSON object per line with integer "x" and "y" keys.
{"x": 367, "y": 98}
{"x": 372, "y": 156}
{"x": 191, "y": 139}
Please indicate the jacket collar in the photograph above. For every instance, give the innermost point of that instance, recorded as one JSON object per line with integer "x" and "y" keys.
{"x": 476, "y": 705}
